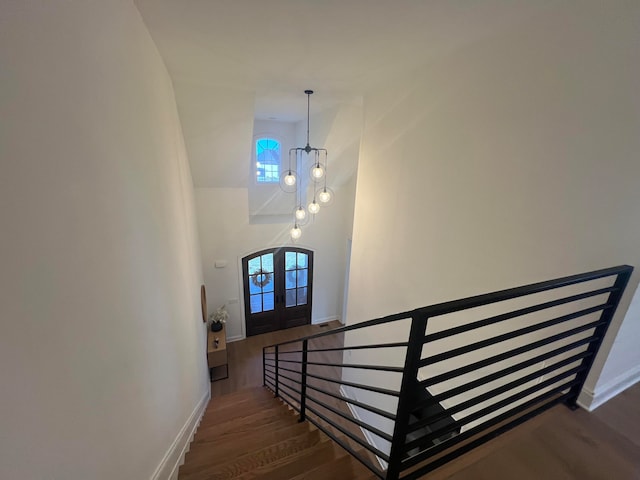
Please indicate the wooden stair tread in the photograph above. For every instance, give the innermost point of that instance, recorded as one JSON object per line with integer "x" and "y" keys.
{"x": 294, "y": 465}
{"x": 216, "y": 413}
{"x": 340, "y": 467}
{"x": 258, "y": 459}
{"x": 246, "y": 424}
{"x": 250, "y": 435}
{"x": 254, "y": 392}
{"x": 236, "y": 443}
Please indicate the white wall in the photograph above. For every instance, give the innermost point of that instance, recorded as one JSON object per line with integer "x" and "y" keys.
{"x": 622, "y": 368}
{"x": 510, "y": 161}
{"x": 101, "y": 339}
{"x": 228, "y": 233}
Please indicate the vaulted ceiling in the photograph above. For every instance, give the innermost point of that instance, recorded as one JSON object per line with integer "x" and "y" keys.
{"x": 233, "y": 60}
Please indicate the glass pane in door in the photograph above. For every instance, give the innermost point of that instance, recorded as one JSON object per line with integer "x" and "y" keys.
{"x": 290, "y": 261}
{"x": 296, "y": 278}
{"x": 261, "y": 283}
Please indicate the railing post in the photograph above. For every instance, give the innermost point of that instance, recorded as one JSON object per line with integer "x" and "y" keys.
{"x": 264, "y": 367}
{"x": 303, "y": 382}
{"x": 607, "y": 315}
{"x": 408, "y": 393}
{"x": 276, "y": 374}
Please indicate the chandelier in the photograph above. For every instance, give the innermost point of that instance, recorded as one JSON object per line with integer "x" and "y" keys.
{"x": 290, "y": 183}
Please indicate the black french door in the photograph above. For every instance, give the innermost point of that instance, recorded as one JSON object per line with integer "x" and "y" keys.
{"x": 277, "y": 289}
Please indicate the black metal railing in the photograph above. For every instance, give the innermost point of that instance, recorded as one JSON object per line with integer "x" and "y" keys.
{"x": 442, "y": 382}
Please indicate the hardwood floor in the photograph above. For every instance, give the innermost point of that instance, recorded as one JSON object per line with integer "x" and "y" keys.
{"x": 245, "y": 357}
{"x": 559, "y": 444}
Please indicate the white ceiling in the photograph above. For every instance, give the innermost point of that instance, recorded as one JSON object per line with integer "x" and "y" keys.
{"x": 235, "y": 60}
{"x": 278, "y": 48}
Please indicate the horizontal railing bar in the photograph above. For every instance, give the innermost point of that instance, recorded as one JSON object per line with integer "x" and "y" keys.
{"x": 353, "y": 437}
{"x": 502, "y": 295}
{"x": 502, "y": 373}
{"x": 488, "y": 410}
{"x": 426, "y": 454}
{"x": 270, "y": 383}
{"x": 272, "y": 377}
{"x": 508, "y": 336}
{"x": 382, "y": 368}
{"x": 298, "y": 382}
{"x": 270, "y": 369}
{"x": 516, "y": 313}
{"x": 269, "y": 364}
{"x": 290, "y": 388}
{"x": 514, "y": 352}
{"x": 446, "y": 444}
{"x": 448, "y": 412}
{"x": 290, "y": 370}
{"x": 356, "y": 326}
{"x": 384, "y": 391}
{"x": 351, "y": 419}
{"x": 291, "y": 404}
{"x": 475, "y": 301}
{"x": 346, "y": 446}
{"x": 361, "y": 347}
{"x": 375, "y": 410}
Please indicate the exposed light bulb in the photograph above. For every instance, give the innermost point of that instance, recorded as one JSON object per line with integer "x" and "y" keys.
{"x": 317, "y": 172}
{"x": 301, "y": 213}
{"x": 314, "y": 207}
{"x": 290, "y": 179}
{"x": 324, "y": 196}
{"x": 295, "y": 232}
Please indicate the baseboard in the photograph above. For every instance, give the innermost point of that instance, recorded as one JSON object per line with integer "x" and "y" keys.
{"x": 591, "y": 400}
{"x": 168, "y": 468}
{"x": 365, "y": 432}
{"x": 331, "y": 318}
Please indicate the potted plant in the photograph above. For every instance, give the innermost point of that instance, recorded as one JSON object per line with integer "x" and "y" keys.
{"x": 217, "y": 318}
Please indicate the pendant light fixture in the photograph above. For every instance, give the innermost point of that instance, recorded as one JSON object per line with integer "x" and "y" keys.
{"x": 289, "y": 181}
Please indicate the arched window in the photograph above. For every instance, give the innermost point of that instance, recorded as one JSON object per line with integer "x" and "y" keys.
{"x": 267, "y": 160}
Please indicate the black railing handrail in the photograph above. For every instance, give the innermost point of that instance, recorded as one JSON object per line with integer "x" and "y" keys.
{"x": 369, "y": 323}
{"x": 472, "y": 302}
{"x": 423, "y": 427}
{"x": 511, "y": 293}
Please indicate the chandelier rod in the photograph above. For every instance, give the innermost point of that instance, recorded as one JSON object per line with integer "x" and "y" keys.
{"x": 309, "y": 93}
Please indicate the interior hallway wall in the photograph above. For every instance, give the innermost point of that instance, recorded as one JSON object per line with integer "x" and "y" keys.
{"x": 101, "y": 339}
{"x": 510, "y": 161}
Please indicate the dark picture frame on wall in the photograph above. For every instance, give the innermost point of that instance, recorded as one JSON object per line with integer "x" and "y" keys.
{"x": 203, "y": 303}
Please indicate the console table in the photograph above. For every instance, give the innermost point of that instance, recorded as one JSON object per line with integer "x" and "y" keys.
{"x": 217, "y": 355}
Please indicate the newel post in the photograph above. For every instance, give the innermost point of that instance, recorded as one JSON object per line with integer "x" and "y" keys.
{"x": 408, "y": 393}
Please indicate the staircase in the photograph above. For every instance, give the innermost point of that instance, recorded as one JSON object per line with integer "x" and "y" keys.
{"x": 251, "y": 435}
{"x": 429, "y": 401}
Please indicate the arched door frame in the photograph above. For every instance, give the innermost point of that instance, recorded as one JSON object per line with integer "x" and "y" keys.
{"x": 287, "y": 316}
